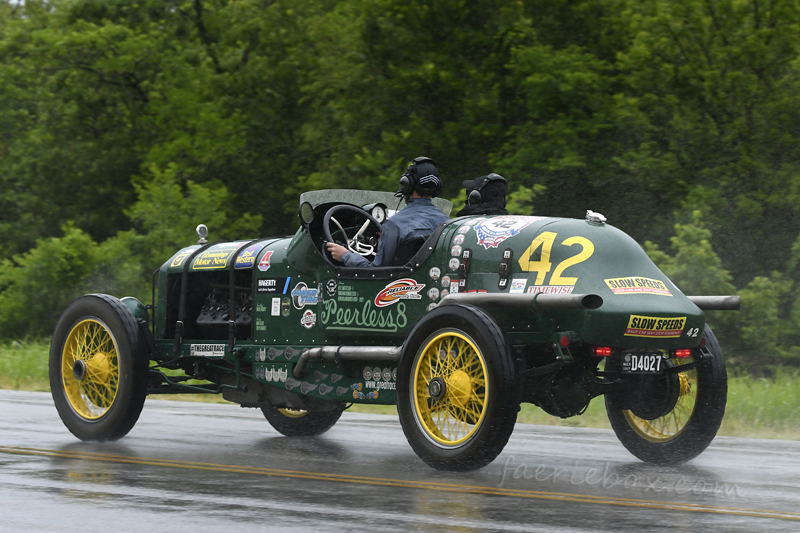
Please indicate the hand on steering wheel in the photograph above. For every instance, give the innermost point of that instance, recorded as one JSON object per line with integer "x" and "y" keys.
{"x": 354, "y": 244}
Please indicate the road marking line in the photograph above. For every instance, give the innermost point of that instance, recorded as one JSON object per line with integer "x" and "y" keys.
{"x": 402, "y": 483}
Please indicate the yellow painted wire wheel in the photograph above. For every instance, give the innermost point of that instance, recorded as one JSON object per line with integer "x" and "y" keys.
{"x": 450, "y": 389}
{"x": 293, "y": 422}
{"x": 90, "y": 369}
{"x": 293, "y": 413}
{"x": 689, "y": 425}
{"x": 669, "y": 426}
{"x": 456, "y": 388}
{"x": 98, "y": 368}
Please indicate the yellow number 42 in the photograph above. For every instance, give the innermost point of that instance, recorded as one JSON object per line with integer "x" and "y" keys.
{"x": 542, "y": 266}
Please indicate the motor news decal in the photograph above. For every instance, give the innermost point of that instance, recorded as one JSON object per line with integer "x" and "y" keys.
{"x": 493, "y": 231}
{"x": 402, "y": 289}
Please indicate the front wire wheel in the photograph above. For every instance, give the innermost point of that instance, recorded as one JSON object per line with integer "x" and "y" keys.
{"x": 456, "y": 393}
{"x": 90, "y": 369}
{"x": 451, "y": 390}
{"x": 98, "y": 368}
{"x": 689, "y": 427}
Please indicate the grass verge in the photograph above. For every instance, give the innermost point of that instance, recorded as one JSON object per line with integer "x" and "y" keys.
{"x": 757, "y": 407}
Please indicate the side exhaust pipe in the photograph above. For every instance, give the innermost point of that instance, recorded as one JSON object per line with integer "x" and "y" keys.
{"x": 716, "y": 303}
{"x": 535, "y": 301}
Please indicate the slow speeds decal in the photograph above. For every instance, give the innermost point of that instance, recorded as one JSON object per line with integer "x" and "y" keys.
{"x": 653, "y": 326}
{"x": 637, "y": 285}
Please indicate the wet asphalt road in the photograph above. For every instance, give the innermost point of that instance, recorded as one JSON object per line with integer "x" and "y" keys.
{"x": 207, "y": 467}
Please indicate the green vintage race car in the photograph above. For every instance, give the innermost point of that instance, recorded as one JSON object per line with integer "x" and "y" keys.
{"x": 488, "y": 313}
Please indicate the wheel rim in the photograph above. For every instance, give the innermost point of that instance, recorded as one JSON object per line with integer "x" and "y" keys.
{"x": 672, "y": 424}
{"x": 90, "y": 352}
{"x": 451, "y": 418}
{"x": 292, "y": 413}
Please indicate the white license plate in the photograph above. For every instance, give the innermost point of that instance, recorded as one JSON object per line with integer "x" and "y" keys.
{"x": 637, "y": 363}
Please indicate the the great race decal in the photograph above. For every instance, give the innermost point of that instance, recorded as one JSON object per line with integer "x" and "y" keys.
{"x": 491, "y": 232}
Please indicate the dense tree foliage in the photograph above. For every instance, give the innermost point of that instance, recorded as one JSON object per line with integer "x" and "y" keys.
{"x": 124, "y": 124}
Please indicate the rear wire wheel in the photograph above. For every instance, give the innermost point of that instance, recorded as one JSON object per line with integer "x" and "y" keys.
{"x": 689, "y": 427}
{"x": 98, "y": 368}
{"x": 456, "y": 389}
{"x": 301, "y": 423}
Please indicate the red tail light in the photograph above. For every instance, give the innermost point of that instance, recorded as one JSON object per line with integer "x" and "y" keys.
{"x": 682, "y": 353}
{"x": 602, "y": 351}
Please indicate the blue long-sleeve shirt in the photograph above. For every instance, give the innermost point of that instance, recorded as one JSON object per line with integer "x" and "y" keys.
{"x": 420, "y": 218}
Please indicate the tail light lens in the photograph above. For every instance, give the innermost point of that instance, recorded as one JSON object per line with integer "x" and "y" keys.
{"x": 601, "y": 351}
{"x": 682, "y": 353}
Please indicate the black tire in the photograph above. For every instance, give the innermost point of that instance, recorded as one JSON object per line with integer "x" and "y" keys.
{"x": 98, "y": 368}
{"x": 300, "y": 423}
{"x": 685, "y": 431}
{"x": 459, "y": 413}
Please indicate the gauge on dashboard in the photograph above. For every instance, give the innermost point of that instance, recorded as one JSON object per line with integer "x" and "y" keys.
{"x": 379, "y": 212}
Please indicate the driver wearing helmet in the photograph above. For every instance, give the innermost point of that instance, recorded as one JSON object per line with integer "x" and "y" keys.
{"x": 418, "y": 185}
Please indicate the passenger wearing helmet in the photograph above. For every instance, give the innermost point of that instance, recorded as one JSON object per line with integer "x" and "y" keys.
{"x": 485, "y": 196}
{"x": 407, "y": 228}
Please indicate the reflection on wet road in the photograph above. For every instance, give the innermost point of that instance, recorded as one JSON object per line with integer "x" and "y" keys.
{"x": 201, "y": 467}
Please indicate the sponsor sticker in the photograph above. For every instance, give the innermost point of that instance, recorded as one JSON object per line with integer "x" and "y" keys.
{"x": 367, "y": 373}
{"x": 491, "y": 232}
{"x": 455, "y": 251}
{"x": 518, "y": 286}
{"x": 178, "y": 261}
{"x": 303, "y": 295}
{"x": 637, "y": 285}
{"x": 433, "y": 293}
{"x": 286, "y": 307}
{"x": 330, "y": 287}
{"x": 272, "y": 285}
{"x": 247, "y": 257}
{"x": 652, "y": 326}
{"x": 276, "y": 307}
{"x": 432, "y": 306}
{"x": 402, "y": 289}
{"x": 454, "y": 263}
{"x": 458, "y": 239}
{"x": 207, "y": 350}
{"x": 464, "y": 229}
{"x": 215, "y": 258}
{"x": 263, "y": 265}
{"x": 435, "y": 273}
{"x": 551, "y": 289}
{"x": 445, "y": 282}
{"x": 454, "y": 286}
{"x": 309, "y": 319}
